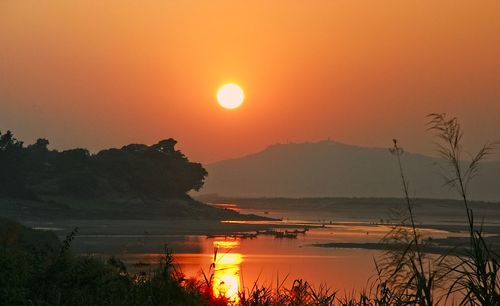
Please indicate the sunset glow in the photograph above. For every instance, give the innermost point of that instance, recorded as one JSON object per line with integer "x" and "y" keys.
{"x": 350, "y": 70}
{"x": 228, "y": 153}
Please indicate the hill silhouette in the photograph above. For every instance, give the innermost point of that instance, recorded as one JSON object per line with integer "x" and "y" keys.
{"x": 135, "y": 181}
{"x": 333, "y": 169}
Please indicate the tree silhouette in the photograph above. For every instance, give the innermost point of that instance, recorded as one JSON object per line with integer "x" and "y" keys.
{"x": 135, "y": 170}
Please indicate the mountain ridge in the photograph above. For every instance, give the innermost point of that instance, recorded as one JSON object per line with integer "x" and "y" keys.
{"x": 330, "y": 168}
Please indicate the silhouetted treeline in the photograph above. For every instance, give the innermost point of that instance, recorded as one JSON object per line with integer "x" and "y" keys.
{"x": 135, "y": 170}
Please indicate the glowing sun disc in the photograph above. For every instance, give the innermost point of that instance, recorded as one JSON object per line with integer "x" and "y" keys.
{"x": 230, "y": 96}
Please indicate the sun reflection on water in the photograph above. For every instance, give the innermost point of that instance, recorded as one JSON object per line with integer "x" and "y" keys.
{"x": 226, "y": 281}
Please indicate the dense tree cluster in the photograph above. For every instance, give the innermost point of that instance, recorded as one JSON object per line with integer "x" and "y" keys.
{"x": 135, "y": 170}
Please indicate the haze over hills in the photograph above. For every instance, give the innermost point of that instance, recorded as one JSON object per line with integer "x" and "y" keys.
{"x": 332, "y": 169}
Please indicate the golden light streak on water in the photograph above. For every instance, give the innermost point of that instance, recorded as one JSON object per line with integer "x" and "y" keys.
{"x": 226, "y": 281}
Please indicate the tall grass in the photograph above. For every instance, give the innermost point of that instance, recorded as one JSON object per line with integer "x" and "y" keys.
{"x": 299, "y": 293}
{"x": 406, "y": 275}
{"x": 476, "y": 275}
{"x": 409, "y": 274}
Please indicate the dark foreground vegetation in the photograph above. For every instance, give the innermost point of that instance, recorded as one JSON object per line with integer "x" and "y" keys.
{"x": 133, "y": 171}
{"x": 42, "y": 271}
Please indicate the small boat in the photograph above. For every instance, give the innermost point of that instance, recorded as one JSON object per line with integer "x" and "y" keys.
{"x": 286, "y": 235}
{"x": 268, "y": 232}
{"x": 302, "y": 231}
{"x": 297, "y": 231}
{"x": 216, "y": 236}
{"x": 248, "y": 235}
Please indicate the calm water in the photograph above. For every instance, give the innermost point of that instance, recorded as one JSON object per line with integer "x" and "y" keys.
{"x": 270, "y": 261}
{"x": 266, "y": 260}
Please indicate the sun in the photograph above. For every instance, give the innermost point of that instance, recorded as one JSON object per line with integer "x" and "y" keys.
{"x": 230, "y": 96}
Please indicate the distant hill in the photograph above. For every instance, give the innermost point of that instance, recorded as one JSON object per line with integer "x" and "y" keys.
{"x": 330, "y": 168}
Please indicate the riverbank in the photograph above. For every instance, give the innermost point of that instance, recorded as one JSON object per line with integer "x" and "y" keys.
{"x": 444, "y": 246}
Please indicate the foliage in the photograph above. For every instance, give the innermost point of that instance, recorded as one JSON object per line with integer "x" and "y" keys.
{"x": 135, "y": 170}
{"x": 413, "y": 277}
{"x": 35, "y": 276}
{"x": 476, "y": 274}
{"x": 406, "y": 275}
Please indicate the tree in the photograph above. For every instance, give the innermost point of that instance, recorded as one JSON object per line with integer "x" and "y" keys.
{"x": 135, "y": 170}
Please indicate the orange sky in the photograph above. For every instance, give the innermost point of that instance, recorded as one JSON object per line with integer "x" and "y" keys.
{"x": 97, "y": 74}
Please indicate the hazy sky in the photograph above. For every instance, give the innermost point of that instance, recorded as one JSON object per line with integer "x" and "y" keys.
{"x": 100, "y": 73}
